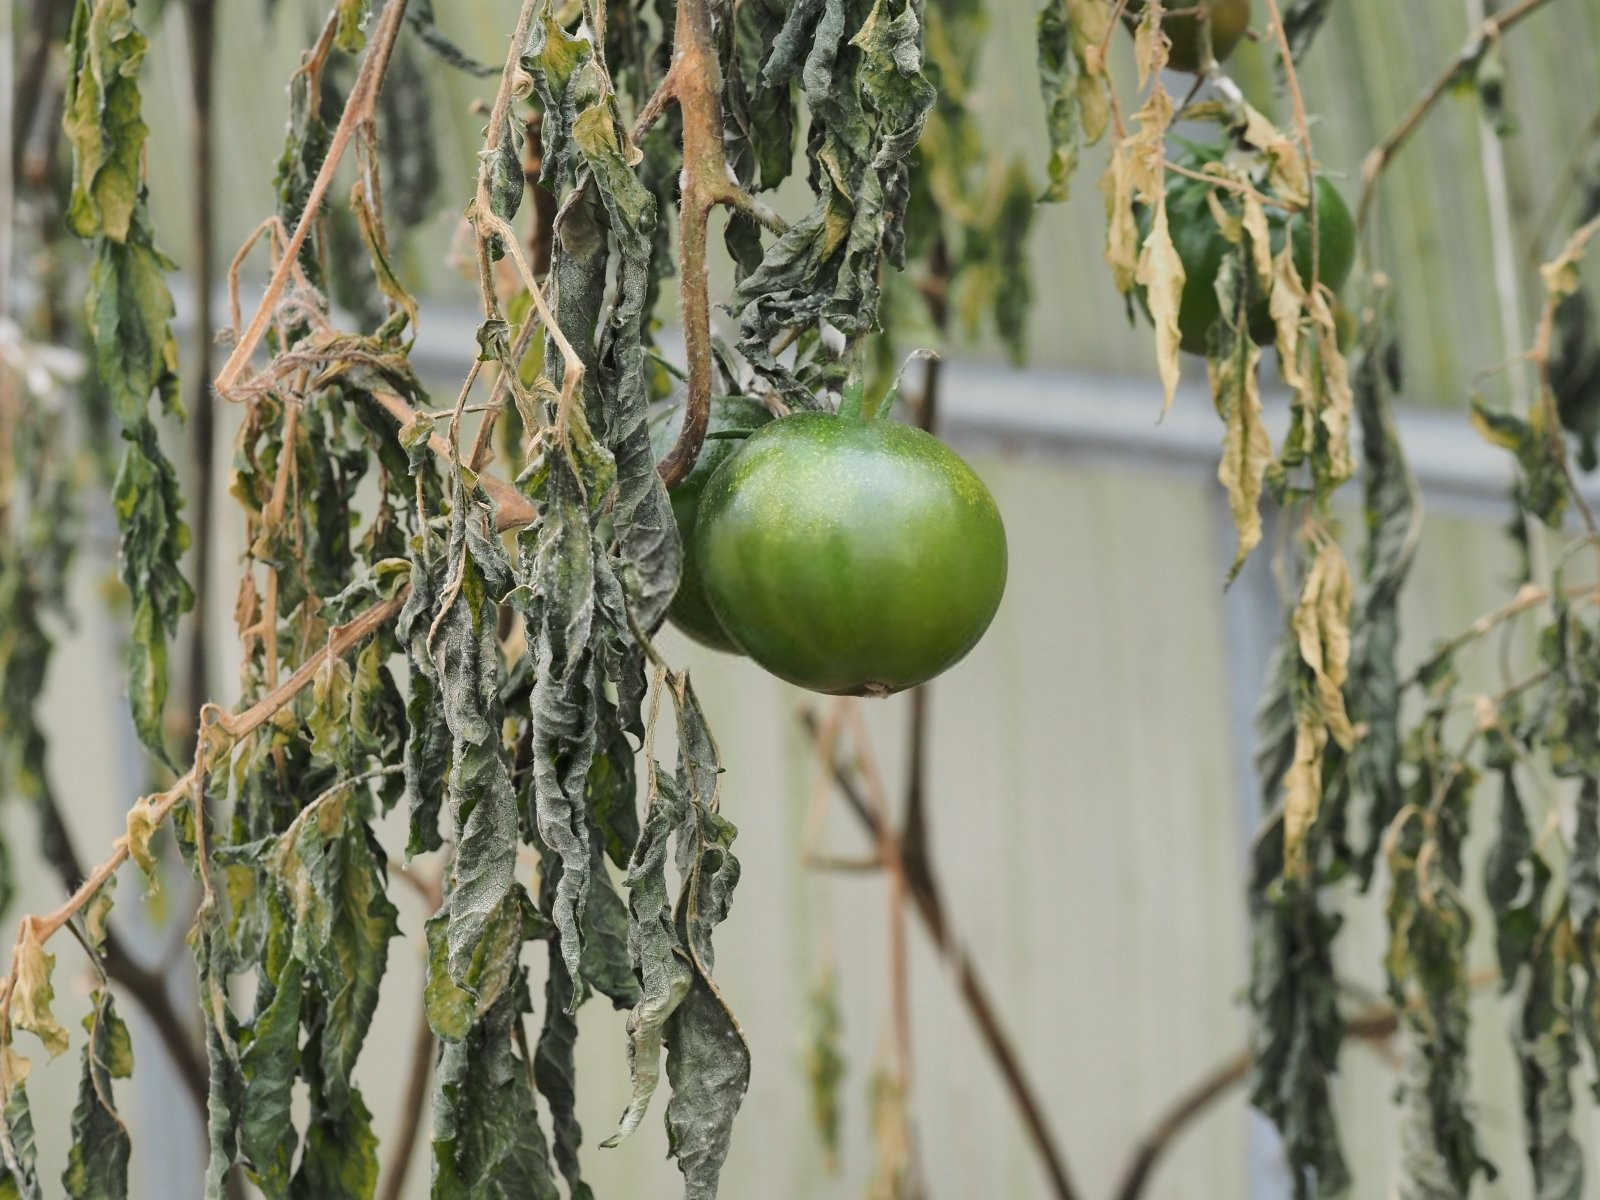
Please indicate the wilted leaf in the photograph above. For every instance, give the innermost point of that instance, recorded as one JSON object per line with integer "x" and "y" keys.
{"x": 97, "y": 1163}
{"x": 1161, "y": 274}
{"x": 1233, "y": 369}
{"x": 33, "y": 992}
{"x": 1070, "y": 33}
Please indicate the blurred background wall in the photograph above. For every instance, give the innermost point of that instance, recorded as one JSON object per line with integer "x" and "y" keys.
{"x": 1091, "y": 796}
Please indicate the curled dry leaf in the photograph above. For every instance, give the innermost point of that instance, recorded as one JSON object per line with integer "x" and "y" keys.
{"x": 1322, "y": 625}
{"x": 1160, "y": 272}
{"x": 33, "y": 992}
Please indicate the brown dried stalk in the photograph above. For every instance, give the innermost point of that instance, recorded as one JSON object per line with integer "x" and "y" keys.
{"x": 360, "y": 108}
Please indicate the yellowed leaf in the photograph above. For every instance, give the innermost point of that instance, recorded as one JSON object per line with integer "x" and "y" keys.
{"x": 1287, "y": 170}
{"x": 1246, "y": 448}
{"x": 14, "y": 1070}
{"x": 142, "y": 825}
{"x": 1336, "y": 407}
{"x": 1321, "y": 623}
{"x": 1160, "y": 273}
{"x": 1255, "y": 223}
{"x": 1094, "y": 107}
{"x": 1286, "y": 301}
{"x": 1228, "y": 225}
{"x": 1091, "y": 22}
{"x": 1560, "y": 274}
{"x": 97, "y": 913}
{"x": 1302, "y": 793}
{"x": 1150, "y": 44}
{"x": 33, "y": 992}
{"x": 1122, "y": 230}
{"x": 893, "y": 1162}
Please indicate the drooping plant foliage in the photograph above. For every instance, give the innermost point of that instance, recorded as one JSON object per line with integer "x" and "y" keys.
{"x": 1362, "y": 762}
{"x": 447, "y": 609}
{"x": 459, "y": 625}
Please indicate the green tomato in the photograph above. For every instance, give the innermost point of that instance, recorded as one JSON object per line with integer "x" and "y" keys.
{"x": 690, "y": 611}
{"x": 1229, "y": 20}
{"x": 848, "y": 556}
{"x": 1201, "y": 248}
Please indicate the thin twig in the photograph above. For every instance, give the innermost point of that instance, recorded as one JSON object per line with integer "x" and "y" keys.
{"x": 359, "y": 108}
{"x": 974, "y": 993}
{"x": 696, "y": 84}
{"x": 1380, "y": 156}
{"x": 1377, "y": 1026}
{"x": 202, "y": 22}
{"x": 156, "y": 808}
{"x": 412, "y": 1106}
{"x": 512, "y": 509}
{"x": 1303, "y": 130}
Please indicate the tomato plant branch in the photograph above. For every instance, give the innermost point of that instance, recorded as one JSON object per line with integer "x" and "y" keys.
{"x": 147, "y": 986}
{"x": 512, "y": 509}
{"x": 1376, "y": 1026}
{"x": 974, "y": 993}
{"x": 696, "y": 84}
{"x": 360, "y": 107}
{"x": 1303, "y": 130}
{"x": 1379, "y": 157}
{"x": 202, "y": 21}
{"x": 154, "y": 809}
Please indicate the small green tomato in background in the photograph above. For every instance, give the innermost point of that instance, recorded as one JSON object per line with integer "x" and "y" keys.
{"x": 1229, "y": 20}
{"x": 690, "y": 611}
{"x": 850, "y": 555}
{"x": 1201, "y": 248}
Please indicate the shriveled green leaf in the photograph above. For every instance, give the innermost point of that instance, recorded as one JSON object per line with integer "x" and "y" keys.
{"x": 419, "y": 14}
{"x": 486, "y": 1136}
{"x": 340, "y": 1161}
{"x": 19, "y": 1178}
{"x": 102, "y": 118}
{"x": 1429, "y": 928}
{"x": 333, "y": 885}
{"x": 1539, "y": 454}
{"x": 450, "y": 624}
{"x": 97, "y": 1163}
{"x": 860, "y": 65}
{"x": 1070, "y": 33}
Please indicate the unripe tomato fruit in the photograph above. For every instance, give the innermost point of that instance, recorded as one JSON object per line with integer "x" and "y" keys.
{"x": 1201, "y": 248}
{"x": 1229, "y": 20}
{"x": 850, "y": 556}
{"x": 690, "y": 611}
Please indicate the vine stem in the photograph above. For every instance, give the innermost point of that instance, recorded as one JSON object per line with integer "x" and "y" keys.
{"x": 695, "y": 81}
{"x": 411, "y": 1108}
{"x": 1376, "y": 1026}
{"x": 202, "y": 22}
{"x": 155, "y": 808}
{"x": 360, "y": 107}
{"x": 1539, "y": 355}
{"x": 487, "y": 225}
{"x": 974, "y": 992}
{"x": 1302, "y": 125}
{"x": 1508, "y": 293}
{"x": 1379, "y": 157}
{"x": 512, "y": 509}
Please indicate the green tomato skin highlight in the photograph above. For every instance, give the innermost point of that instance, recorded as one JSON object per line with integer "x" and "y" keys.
{"x": 690, "y": 611}
{"x": 850, "y": 557}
